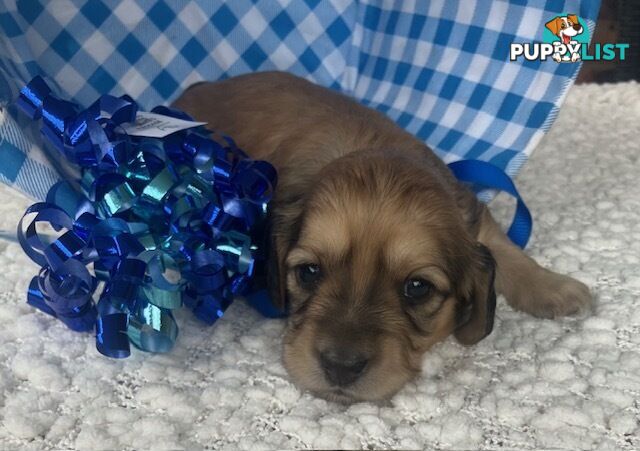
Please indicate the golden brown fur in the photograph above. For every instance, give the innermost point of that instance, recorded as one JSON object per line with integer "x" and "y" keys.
{"x": 372, "y": 208}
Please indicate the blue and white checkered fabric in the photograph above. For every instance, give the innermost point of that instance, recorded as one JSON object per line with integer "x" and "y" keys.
{"x": 438, "y": 68}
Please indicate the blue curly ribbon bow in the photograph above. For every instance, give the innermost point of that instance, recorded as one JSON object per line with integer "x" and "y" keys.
{"x": 153, "y": 224}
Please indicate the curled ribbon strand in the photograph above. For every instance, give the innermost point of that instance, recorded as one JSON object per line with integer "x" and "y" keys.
{"x": 154, "y": 225}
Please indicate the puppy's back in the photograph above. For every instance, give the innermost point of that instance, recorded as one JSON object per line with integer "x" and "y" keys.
{"x": 272, "y": 115}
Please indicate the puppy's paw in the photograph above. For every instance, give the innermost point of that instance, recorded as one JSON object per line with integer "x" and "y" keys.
{"x": 550, "y": 295}
{"x": 575, "y": 57}
{"x": 557, "y": 57}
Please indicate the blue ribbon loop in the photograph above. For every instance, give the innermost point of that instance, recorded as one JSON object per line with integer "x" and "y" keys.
{"x": 483, "y": 175}
{"x": 160, "y": 223}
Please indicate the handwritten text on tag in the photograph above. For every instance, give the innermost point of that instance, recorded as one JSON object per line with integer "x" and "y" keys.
{"x": 153, "y": 125}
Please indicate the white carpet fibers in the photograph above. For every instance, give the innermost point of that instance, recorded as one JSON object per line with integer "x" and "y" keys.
{"x": 571, "y": 383}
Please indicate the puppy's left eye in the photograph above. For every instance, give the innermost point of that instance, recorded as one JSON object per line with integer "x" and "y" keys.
{"x": 309, "y": 274}
{"x": 416, "y": 289}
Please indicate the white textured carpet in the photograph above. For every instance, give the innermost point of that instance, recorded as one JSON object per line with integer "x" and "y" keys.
{"x": 572, "y": 383}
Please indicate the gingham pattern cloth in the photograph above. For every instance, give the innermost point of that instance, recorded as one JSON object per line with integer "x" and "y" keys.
{"x": 439, "y": 68}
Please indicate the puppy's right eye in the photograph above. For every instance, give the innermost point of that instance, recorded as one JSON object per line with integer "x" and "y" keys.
{"x": 417, "y": 290}
{"x": 309, "y": 274}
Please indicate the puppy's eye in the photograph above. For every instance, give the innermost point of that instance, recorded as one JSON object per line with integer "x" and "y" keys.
{"x": 309, "y": 273}
{"x": 416, "y": 290}
{"x": 563, "y": 25}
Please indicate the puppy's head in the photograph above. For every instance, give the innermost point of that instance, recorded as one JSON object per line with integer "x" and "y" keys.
{"x": 376, "y": 266}
{"x": 565, "y": 27}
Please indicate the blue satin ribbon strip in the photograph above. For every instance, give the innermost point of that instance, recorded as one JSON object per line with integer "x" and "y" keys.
{"x": 482, "y": 175}
{"x": 152, "y": 225}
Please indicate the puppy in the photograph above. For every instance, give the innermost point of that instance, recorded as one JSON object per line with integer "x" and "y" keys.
{"x": 378, "y": 251}
{"x": 565, "y": 28}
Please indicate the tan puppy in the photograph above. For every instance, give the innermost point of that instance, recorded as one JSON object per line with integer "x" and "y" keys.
{"x": 376, "y": 248}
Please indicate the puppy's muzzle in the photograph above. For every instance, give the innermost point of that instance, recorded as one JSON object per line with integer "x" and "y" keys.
{"x": 342, "y": 367}
{"x": 344, "y": 351}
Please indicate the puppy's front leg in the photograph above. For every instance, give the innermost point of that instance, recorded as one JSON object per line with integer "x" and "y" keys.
{"x": 526, "y": 285}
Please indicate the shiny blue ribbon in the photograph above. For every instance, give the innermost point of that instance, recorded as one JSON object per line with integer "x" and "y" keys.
{"x": 152, "y": 224}
{"x": 482, "y": 175}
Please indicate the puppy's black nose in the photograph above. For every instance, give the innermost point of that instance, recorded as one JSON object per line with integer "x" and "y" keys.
{"x": 342, "y": 368}
{"x": 577, "y": 27}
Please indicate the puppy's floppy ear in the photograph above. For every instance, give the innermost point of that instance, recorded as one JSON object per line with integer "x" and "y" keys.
{"x": 279, "y": 246}
{"x": 553, "y": 25}
{"x": 573, "y": 18}
{"x": 284, "y": 227}
{"x": 478, "y": 303}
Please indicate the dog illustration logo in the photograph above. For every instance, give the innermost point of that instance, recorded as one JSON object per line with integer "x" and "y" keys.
{"x": 567, "y": 29}
{"x": 565, "y": 39}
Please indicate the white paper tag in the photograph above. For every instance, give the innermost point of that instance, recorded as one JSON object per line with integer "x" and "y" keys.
{"x": 153, "y": 125}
